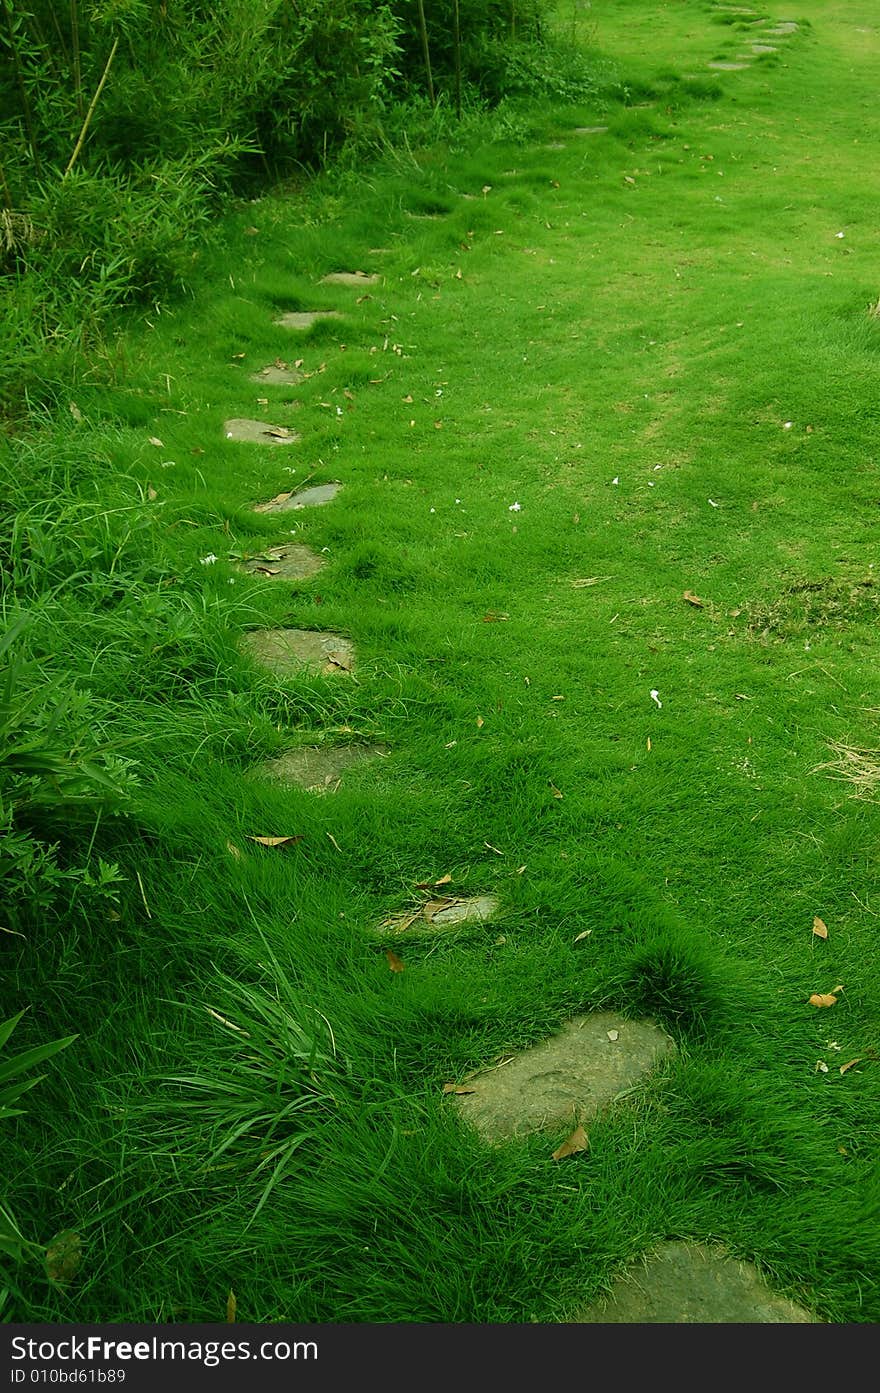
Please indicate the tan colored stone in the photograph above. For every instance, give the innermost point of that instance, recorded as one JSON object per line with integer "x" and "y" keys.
{"x": 564, "y": 1080}
{"x": 277, "y": 375}
{"x": 692, "y": 1284}
{"x": 258, "y": 432}
{"x": 319, "y": 768}
{"x": 349, "y": 278}
{"x": 442, "y": 913}
{"x": 284, "y": 651}
{"x": 284, "y": 562}
{"x": 304, "y": 319}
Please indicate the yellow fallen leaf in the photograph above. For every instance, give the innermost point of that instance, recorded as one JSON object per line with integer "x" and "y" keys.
{"x": 557, "y": 793}
{"x": 693, "y": 599}
{"x": 230, "y": 1307}
{"x": 823, "y": 999}
{"x": 395, "y": 963}
{"x": 585, "y": 933}
{"x": 649, "y": 744}
{"x": 233, "y": 850}
{"x": 850, "y": 1064}
{"x": 459, "y": 1089}
{"x": 274, "y": 841}
{"x": 576, "y": 1142}
{"x": 820, "y": 929}
{"x": 154, "y": 440}
{"x": 480, "y": 723}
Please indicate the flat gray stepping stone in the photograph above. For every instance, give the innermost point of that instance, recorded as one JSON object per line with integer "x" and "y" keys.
{"x": 566, "y": 1079}
{"x": 312, "y": 497}
{"x": 349, "y": 278}
{"x": 764, "y": 48}
{"x": 727, "y": 67}
{"x": 318, "y": 768}
{"x": 304, "y": 319}
{"x": 288, "y": 562}
{"x": 258, "y": 432}
{"x": 692, "y": 1284}
{"x": 783, "y": 28}
{"x": 283, "y": 651}
{"x": 277, "y": 375}
{"x": 442, "y": 913}
{"x": 590, "y": 130}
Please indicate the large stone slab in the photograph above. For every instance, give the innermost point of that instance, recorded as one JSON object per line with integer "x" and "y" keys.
{"x": 319, "y": 768}
{"x": 258, "y": 432}
{"x": 565, "y": 1080}
{"x": 312, "y": 497}
{"x": 285, "y": 562}
{"x": 442, "y": 913}
{"x": 692, "y": 1284}
{"x": 783, "y": 28}
{"x": 349, "y": 278}
{"x": 277, "y": 374}
{"x": 590, "y": 130}
{"x": 721, "y": 67}
{"x": 285, "y": 651}
{"x": 304, "y": 319}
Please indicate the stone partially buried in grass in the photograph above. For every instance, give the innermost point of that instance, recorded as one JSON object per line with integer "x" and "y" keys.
{"x": 287, "y": 651}
{"x": 304, "y": 319}
{"x": 565, "y": 1080}
{"x": 442, "y": 913}
{"x": 313, "y": 497}
{"x": 692, "y": 1284}
{"x": 319, "y": 768}
{"x": 258, "y": 432}
{"x": 286, "y": 562}
{"x": 278, "y": 374}
{"x": 350, "y": 278}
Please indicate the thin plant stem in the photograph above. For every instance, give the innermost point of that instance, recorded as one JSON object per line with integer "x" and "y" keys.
{"x": 456, "y": 35}
{"x": 77, "y": 70}
{"x": 423, "y": 29}
{"x": 91, "y": 110}
{"x": 19, "y": 78}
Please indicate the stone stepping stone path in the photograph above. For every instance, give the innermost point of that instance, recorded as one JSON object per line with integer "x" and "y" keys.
{"x": 304, "y": 319}
{"x": 319, "y": 768}
{"x": 313, "y": 497}
{"x": 590, "y": 130}
{"x": 691, "y": 1284}
{"x": 258, "y": 432}
{"x": 277, "y": 374}
{"x": 350, "y": 278}
{"x": 288, "y": 562}
{"x": 764, "y": 48}
{"x": 286, "y": 651}
{"x": 442, "y": 913}
{"x": 783, "y": 28}
{"x": 721, "y": 67}
{"x": 565, "y": 1080}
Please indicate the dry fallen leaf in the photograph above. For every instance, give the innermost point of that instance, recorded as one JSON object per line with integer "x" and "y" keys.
{"x": 693, "y": 599}
{"x": 230, "y": 1307}
{"x": 850, "y": 1064}
{"x": 823, "y": 999}
{"x": 274, "y": 841}
{"x": 434, "y": 884}
{"x": 233, "y": 850}
{"x": 585, "y": 933}
{"x": 63, "y": 1256}
{"x": 279, "y": 498}
{"x": 395, "y": 963}
{"x": 75, "y": 411}
{"x": 820, "y": 929}
{"x": 459, "y": 1089}
{"x": 154, "y": 440}
{"x": 613, "y": 1035}
{"x": 480, "y": 723}
{"x": 648, "y": 744}
{"x": 152, "y": 495}
{"x": 576, "y": 1142}
{"x": 557, "y": 793}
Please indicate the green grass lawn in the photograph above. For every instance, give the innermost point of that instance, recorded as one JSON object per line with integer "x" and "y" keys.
{"x": 597, "y": 371}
